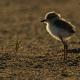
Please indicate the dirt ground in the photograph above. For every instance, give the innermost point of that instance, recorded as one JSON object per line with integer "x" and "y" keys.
{"x": 27, "y": 51}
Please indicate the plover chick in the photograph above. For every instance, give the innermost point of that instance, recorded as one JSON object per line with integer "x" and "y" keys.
{"x": 59, "y": 28}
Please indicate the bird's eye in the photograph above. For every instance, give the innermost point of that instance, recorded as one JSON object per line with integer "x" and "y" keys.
{"x": 51, "y": 16}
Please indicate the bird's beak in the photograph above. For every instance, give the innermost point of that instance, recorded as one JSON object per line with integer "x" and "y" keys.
{"x": 43, "y": 20}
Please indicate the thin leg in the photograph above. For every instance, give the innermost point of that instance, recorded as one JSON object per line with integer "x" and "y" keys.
{"x": 65, "y": 48}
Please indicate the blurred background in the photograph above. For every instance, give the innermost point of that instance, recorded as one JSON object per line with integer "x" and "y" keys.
{"x": 21, "y": 18}
{"x": 23, "y": 38}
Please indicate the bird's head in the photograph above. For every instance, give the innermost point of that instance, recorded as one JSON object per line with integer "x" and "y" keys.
{"x": 51, "y": 16}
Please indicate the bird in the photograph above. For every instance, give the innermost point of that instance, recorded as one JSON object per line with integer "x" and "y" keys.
{"x": 59, "y": 28}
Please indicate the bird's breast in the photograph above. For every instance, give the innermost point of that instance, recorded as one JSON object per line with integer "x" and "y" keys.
{"x": 52, "y": 30}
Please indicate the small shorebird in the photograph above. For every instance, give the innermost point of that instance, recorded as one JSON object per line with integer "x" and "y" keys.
{"x": 59, "y": 28}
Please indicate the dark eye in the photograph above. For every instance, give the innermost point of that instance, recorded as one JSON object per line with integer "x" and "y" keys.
{"x": 51, "y": 16}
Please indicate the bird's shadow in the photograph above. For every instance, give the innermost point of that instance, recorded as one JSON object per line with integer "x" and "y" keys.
{"x": 74, "y": 50}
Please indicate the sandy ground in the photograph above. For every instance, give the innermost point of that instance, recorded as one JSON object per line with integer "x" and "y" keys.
{"x": 27, "y": 51}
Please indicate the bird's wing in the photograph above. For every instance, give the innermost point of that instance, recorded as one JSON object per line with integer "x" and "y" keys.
{"x": 65, "y": 25}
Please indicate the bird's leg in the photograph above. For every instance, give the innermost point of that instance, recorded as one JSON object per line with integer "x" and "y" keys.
{"x": 65, "y": 48}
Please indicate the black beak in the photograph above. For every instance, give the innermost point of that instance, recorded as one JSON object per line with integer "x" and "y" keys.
{"x": 43, "y": 20}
